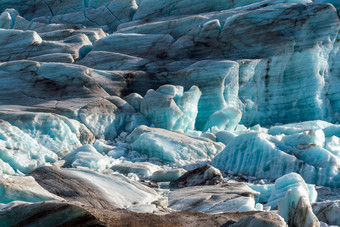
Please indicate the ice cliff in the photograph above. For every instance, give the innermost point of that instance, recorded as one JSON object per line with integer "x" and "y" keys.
{"x": 143, "y": 88}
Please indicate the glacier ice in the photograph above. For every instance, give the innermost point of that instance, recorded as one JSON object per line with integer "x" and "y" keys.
{"x": 88, "y": 156}
{"x": 226, "y": 119}
{"x": 167, "y": 175}
{"x": 93, "y": 188}
{"x": 205, "y": 175}
{"x": 146, "y": 88}
{"x": 213, "y": 199}
{"x": 217, "y": 88}
{"x": 21, "y": 151}
{"x": 265, "y": 156}
{"x": 171, "y": 146}
{"x": 286, "y": 183}
{"x": 55, "y": 132}
{"x": 26, "y": 189}
{"x": 136, "y": 44}
{"x": 328, "y": 212}
{"x": 142, "y": 169}
{"x": 171, "y": 108}
{"x": 292, "y": 197}
{"x": 225, "y": 137}
{"x": 296, "y": 209}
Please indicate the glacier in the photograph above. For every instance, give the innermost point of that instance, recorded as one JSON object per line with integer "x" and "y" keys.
{"x": 161, "y": 107}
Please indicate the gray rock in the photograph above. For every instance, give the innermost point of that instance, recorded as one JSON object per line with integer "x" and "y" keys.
{"x": 205, "y": 175}
{"x": 263, "y": 219}
{"x": 213, "y": 198}
{"x": 328, "y": 212}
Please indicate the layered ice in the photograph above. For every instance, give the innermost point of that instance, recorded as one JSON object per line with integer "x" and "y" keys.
{"x": 265, "y": 156}
{"x": 166, "y": 85}
{"x": 20, "y": 151}
{"x": 25, "y": 189}
{"x": 172, "y": 146}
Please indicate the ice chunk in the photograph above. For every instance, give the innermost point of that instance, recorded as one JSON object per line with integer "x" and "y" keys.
{"x": 268, "y": 219}
{"x": 58, "y": 213}
{"x": 58, "y": 57}
{"x": 21, "y": 151}
{"x": 142, "y": 169}
{"x": 264, "y": 190}
{"x": 135, "y": 100}
{"x": 167, "y": 175}
{"x": 332, "y": 144}
{"x": 93, "y": 188}
{"x": 286, "y": 183}
{"x": 169, "y": 108}
{"x": 293, "y": 128}
{"x": 57, "y": 133}
{"x": 147, "y": 208}
{"x": 213, "y": 199}
{"x": 101, "y": 147}
{"x": 14, "y": 188}
{"x": 225, "y": 137}
{"x": 328, "y": 212}
{"x": 305, "y": 139}
{"x": 332, "y": 130}
{"x": 264, "y": 156}
{"x": 211, "y": 29}
{"x": 296, "y": 210}
{"x": 172, "y": 146}
{"x": 5, "y": 168}
{"x": 100, "y": 118}
{"x": 226, "y": 119}
{"x": 253, "y": 154}
{"x": 205, "y": 175}
{"x": 88, "y": 156}
{"x": 5, "y": 20}
{"x": 218, "y": 82}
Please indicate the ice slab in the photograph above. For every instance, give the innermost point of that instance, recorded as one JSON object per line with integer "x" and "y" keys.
{"x": 143, "y": 169}
{"x": 55, "y": 132}
{"x": 172, "y": 146}
{"x": 167, "y": 175}
{"x": 213, "y": 199}
{"x": 26, "y": 189}
{"x": 94, "y": 189}
{"x": 328, "y": 212}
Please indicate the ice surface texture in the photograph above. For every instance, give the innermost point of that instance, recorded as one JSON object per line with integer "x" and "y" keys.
{"x": 250, "y": 85}
{"x": 266, "y": 156}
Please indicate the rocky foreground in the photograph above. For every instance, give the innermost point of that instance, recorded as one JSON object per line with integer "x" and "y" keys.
{"x": 169, "y": 113}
